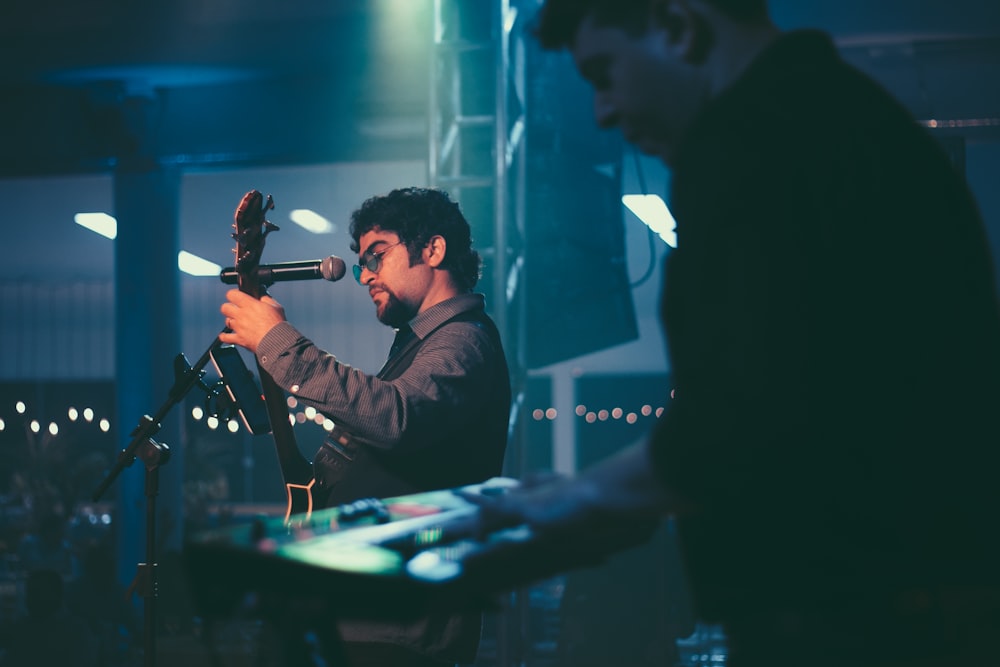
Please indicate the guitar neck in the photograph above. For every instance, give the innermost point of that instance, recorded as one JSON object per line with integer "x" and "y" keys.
{"x": 295, "y": 469}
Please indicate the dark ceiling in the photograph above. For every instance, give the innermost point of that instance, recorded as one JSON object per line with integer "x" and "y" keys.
{"x": 268, "y": 82}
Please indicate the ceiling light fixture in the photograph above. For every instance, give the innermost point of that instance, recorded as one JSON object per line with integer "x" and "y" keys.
{"x": 653, "y": 212}
{"x": 311, "y": 221}
{"x": 196, "y": 266}
{"x": 102, "y": 223}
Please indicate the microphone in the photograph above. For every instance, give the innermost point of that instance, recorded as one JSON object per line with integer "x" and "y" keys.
{"x": 332, "y": 268}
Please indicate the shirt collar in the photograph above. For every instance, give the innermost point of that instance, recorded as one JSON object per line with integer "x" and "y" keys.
{"x": 433, "y": 317}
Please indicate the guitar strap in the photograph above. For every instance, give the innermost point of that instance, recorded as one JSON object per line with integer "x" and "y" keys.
{"x": 402, "y": 346}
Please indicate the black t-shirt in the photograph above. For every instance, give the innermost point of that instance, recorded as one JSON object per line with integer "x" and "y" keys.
{"x": 833, "y": 330}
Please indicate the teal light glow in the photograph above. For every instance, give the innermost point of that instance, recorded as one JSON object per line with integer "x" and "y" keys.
{"x": 345, "y": 557}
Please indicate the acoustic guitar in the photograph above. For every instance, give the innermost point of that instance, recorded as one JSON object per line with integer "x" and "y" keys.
{"x": 251, "y": 228}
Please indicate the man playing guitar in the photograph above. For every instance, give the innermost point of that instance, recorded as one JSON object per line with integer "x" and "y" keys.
{"x": 434, "y": 417}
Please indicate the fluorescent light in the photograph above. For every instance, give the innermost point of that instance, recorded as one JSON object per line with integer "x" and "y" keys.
{"x": 102, "y": 223}
{"x": 311, "y": 221}
{"x": 653, "y": 212}
{"x": 196, "y": 266}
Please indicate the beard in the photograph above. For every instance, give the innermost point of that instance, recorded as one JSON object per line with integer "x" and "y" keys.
{"x": 395, "y": 313}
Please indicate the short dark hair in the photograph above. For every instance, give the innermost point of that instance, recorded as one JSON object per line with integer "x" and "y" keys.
{"x": 557, "y": 21}
{"x": 415, "y": 215}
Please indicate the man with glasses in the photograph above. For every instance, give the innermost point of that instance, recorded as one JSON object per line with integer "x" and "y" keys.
{"x": 434, "y": 417}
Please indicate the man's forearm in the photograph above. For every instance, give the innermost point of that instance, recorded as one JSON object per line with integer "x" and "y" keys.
{"x": 627, "y": 482}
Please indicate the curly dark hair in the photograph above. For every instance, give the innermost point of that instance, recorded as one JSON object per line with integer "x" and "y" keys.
{"x": 557, "y": 21}
{"x": 415, "y": 215}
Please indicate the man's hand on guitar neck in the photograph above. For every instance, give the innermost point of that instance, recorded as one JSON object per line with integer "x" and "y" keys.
{"x": 248, "y": 319}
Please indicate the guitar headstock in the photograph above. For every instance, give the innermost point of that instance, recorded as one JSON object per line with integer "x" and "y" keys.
{"x": 251, "y": 228}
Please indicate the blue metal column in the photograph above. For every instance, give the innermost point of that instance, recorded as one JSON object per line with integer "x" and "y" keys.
{"x": 147, "y": 334}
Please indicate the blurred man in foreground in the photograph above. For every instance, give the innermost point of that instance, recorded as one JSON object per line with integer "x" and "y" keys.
{"x": 834, "y": 342}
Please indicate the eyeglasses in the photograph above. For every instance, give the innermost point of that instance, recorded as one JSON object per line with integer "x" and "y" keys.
{"x": 371, "y": 261}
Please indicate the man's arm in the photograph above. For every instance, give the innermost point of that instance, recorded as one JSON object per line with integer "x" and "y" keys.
{"x": 443, "y": 389}
{"x": 610, "y": 506}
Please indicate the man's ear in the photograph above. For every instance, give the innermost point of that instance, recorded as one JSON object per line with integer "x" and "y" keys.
{"x": 435, "y": 251}
{"x": 688, "y": 31}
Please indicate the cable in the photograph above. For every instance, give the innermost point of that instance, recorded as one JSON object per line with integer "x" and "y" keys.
{"x": 650, "y": 236}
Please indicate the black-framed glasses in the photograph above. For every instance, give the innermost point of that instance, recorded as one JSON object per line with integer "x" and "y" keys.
{"x": 371, "y": 261}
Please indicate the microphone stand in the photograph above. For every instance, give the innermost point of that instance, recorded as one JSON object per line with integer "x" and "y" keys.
{"x": 154, "y": 454}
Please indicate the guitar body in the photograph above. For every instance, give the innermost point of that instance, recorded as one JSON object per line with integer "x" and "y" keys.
{"x": 251, "y": 228}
